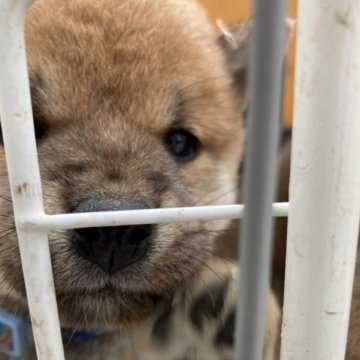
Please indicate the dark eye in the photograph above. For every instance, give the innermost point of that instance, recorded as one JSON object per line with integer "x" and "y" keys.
{"x": 39, "y": 132}
{"x": 182, "y": 144}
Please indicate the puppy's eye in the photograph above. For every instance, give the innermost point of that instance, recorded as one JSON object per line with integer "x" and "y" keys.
{"x": 39, "y": 132}
{"x": 183, "y": 145}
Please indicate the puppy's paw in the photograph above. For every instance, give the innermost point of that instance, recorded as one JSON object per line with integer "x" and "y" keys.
{"x": 210, "y": 307}
{"x": 199, "y": 324}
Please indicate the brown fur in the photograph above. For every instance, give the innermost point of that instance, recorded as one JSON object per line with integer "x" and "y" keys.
{"x": 109, "y": 79}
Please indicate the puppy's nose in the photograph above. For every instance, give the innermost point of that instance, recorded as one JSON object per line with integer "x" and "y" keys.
{"x": 112, "y": 248}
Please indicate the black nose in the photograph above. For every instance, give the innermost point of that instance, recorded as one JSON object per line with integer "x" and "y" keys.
{"x": 112, "y": 248}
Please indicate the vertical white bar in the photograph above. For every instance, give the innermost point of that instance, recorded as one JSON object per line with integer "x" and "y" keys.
{"x": 325, "y": 181}
{"x": 21, "y": 154}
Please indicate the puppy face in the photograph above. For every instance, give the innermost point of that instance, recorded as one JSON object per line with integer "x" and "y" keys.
{"x": 134, "y": 108}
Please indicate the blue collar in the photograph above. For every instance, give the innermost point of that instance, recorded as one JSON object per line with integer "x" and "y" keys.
{"x": 16, "y": 334}
{"x": 76, "y": 336}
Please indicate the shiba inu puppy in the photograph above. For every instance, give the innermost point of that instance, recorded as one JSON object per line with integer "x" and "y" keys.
{"x": 137, "y": 104}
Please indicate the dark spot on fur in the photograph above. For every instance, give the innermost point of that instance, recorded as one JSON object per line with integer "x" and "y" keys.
{"x": 107, "y": 90}
{"x": 73, "y": 169}
{"x": 65, "y": 173}
{"x": 37, "y": 103}
{"x": 127, "y": 153}
{"x": 208, "y": 305}
{"x": 189, "y": 354}
{"x": 160, "y": 182}
{"x": 114, "y": 174}
{"x": 179, "y": 111}
{"x": 36, "y": 86}
{"x": 225, "y": 336}
{"x": 39, "y": 125}
{"x": 113, "y": 154}
{"x": 40, "y": 129}
{"x": 184, "y": 357}
{"x": 109, "y": 154}
{"x": 162, "y": 327}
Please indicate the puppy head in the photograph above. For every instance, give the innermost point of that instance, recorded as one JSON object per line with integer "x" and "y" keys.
{"x": 135, "y": 107}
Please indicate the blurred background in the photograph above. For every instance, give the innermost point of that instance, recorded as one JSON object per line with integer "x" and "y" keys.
{"x": 234, "y": 10}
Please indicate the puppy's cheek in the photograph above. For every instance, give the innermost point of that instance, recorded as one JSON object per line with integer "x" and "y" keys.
{"x": 53, "y": 194}
{"x": 213, "y": 182}
{"x": 12, "y": 285}
{"x": 71, "y": 271}
{"x": 225, "y": 192}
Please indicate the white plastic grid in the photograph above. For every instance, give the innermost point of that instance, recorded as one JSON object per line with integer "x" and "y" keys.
{"x": 32, "y": 223}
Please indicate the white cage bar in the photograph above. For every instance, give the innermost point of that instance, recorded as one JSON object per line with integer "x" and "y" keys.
{"x": 263, "y": 130}
{"x": 325, "y": 181}
{"x": 137, "y": 217}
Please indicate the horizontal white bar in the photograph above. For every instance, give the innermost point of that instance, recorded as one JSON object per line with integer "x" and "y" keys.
{"x": 137, "y": 217}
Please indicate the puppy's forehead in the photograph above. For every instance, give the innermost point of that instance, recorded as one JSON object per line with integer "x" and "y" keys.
{"x": 90, "y": 57}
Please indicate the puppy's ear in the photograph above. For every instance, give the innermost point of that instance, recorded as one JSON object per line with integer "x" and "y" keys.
{"x": 235, "y": 42}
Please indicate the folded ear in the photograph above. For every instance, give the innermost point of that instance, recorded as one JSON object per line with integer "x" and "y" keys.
{"x": 235, "y": 42}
